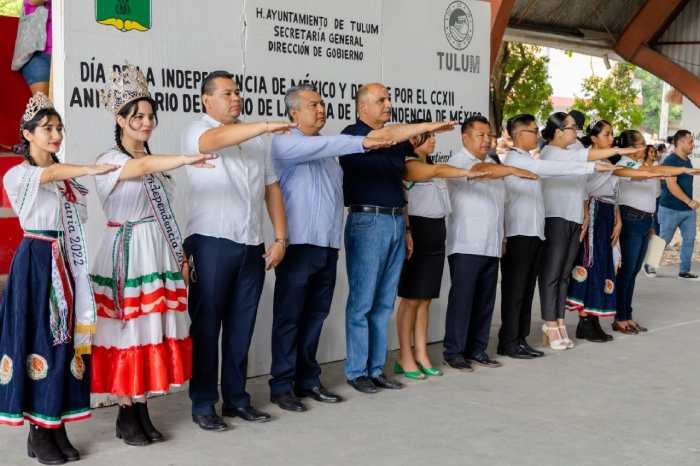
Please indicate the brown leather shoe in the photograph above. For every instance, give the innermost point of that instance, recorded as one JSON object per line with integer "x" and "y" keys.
{"x": 628, "y": 329}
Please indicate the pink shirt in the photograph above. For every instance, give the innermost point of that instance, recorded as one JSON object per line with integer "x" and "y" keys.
{"x": 30, "y": 9}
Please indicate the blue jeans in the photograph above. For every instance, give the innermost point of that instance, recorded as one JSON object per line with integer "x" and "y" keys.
{"x": 374, "y": 254}
{"x": 634, "y": 240}
{"x": 670, "y": 219}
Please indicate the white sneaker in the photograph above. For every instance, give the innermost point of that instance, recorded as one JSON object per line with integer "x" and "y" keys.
{"x": 688, "y": 276}
{"x": 649, "y": 271}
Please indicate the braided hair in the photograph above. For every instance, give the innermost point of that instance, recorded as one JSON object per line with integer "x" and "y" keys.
{"x": 31, "y": 126}
{"x": 127, "y": 112}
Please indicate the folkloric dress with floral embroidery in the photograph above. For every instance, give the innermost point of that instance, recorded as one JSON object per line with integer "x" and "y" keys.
{"x": 47, "y": 310}
{"x": 592, "y": 287}
{"x": 142, "y": 345}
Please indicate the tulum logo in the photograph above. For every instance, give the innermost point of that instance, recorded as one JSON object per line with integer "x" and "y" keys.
{"x": 458, "y": 24}
{"x": 125, "y": 15}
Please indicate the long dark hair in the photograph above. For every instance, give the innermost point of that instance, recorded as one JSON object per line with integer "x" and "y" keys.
{"x": 594, "y": 129}
{"x": 32, "y": 125}
{"x": 127, "y": 112}
{"x": 554, "y": 122}
{"x": 626, "y": 139}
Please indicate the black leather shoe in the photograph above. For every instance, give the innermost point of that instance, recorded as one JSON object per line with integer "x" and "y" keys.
{"x": 460, "y": 364}
{"x": 382, "y": 381}
{"x": 248, "y": 413}
{"x": 586, "y": 330}
{"x": 535, "y": 353}
{"x": 363, "y": 384}
{"x": 288, "y": 402}
{"x": 210, "y": 422}
{"x": 515, "y": 352}
{"x": 320, "y": 394}
{"x": 483, "y": 359}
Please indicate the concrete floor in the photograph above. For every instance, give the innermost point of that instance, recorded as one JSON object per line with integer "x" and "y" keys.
{"x": 633, "y": 401}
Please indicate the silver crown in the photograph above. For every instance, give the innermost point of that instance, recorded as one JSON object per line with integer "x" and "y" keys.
{"x": 125, "y": 85}
{"x": 37, "y": 103}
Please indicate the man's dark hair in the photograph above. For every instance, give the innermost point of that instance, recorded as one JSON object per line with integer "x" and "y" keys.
{"x": 517, "y": 121}
{"x": 669, "y": 140}
{"x": 469, "y": 122}
{"x": 208, "y": 82}
{"x": 680, "y": 134}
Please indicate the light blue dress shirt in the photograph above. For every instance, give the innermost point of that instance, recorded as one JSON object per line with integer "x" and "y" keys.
{"x": 312, "y": 183}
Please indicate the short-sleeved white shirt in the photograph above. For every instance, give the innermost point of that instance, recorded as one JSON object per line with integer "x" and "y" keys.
{"x": 475, "y": 225}
{"x": 427, "y": 198}
{"x": 524, "y": 199}
{"x": 227, "y": 201}
{"x": 36, "y": 205}
{"x": 640, "y": 194}
{"x": 564, "y": 195}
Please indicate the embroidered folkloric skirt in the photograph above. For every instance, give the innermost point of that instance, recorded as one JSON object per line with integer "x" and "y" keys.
{"x": 40, "y": 381}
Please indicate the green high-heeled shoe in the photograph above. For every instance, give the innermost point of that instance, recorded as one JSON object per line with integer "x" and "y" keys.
{"x": 416, "y": 375}
{"x": 431, "y": 371}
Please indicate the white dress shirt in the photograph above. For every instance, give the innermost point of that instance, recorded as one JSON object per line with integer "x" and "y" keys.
{"x": 524, "y": 199}
{"x": 227, "y": 201}
{"x": 564, "y": 195}
{"x": 428, "y": 198}
{"x": 475, "y": 225}
{"x": 640, "y": 194}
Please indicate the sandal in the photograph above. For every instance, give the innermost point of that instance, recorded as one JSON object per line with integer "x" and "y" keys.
{"x": 416, "y": 375}
{"x": 432, "y": 371}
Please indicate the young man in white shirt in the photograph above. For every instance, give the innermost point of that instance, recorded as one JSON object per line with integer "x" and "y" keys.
{"x": 225, "y": 247}
{"x": 474, "y": 246}
{"x": 524, "y": 229}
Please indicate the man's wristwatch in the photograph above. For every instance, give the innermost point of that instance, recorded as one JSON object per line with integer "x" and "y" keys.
{"x": 283, "y": 241}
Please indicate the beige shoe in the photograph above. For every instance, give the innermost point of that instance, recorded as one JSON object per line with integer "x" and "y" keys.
{"x": 552, "y": 337}
{"x": 569, "y": 342}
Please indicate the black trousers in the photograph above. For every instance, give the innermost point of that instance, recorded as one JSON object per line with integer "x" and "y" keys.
{"x": 225, "y": 286}
{"x": 519, "y": 268}
{"x": 558, "y": 257}
{"x": 304, "y": 286}
{"x": 470, "y": 304}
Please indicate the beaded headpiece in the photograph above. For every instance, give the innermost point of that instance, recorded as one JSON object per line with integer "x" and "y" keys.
{"x": 125, "y": 85}
{"x": 37, "y": 103}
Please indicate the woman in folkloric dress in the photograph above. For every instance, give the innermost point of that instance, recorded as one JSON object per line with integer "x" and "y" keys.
{"x": 47, "y": 311}
{"x": 142, "y": 345}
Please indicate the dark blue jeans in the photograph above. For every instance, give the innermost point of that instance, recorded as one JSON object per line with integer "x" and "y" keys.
{"x": 226, "y": 281}
{"x": 634, "y": 240}
{"x": 304, "y": 286}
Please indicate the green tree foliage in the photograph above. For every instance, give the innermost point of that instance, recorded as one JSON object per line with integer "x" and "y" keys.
{"x": 519, "y": 84}
{"x": 10, "y": 7}
{"x": 612, "y": 98}
{"x": 652, "y": 87}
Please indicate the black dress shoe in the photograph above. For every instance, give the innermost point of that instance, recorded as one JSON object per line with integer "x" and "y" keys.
{"x": 247, "y": 413}
{"x": 459, "y": 363}
{"x": 363, "y": 384}
{"x": 288, "y": 402}
{"x": 319, "y": 394}
{"x": 483, "y": 359}
{"x": 382, "y": 381}
{"x": 210, "y": 422}
{"x": 535, "y": 353}
{"x": 515, "y": 352}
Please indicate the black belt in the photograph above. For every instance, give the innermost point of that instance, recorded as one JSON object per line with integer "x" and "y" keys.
{"x": 372, "y": 209}
{"x": 635, "y": 212}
